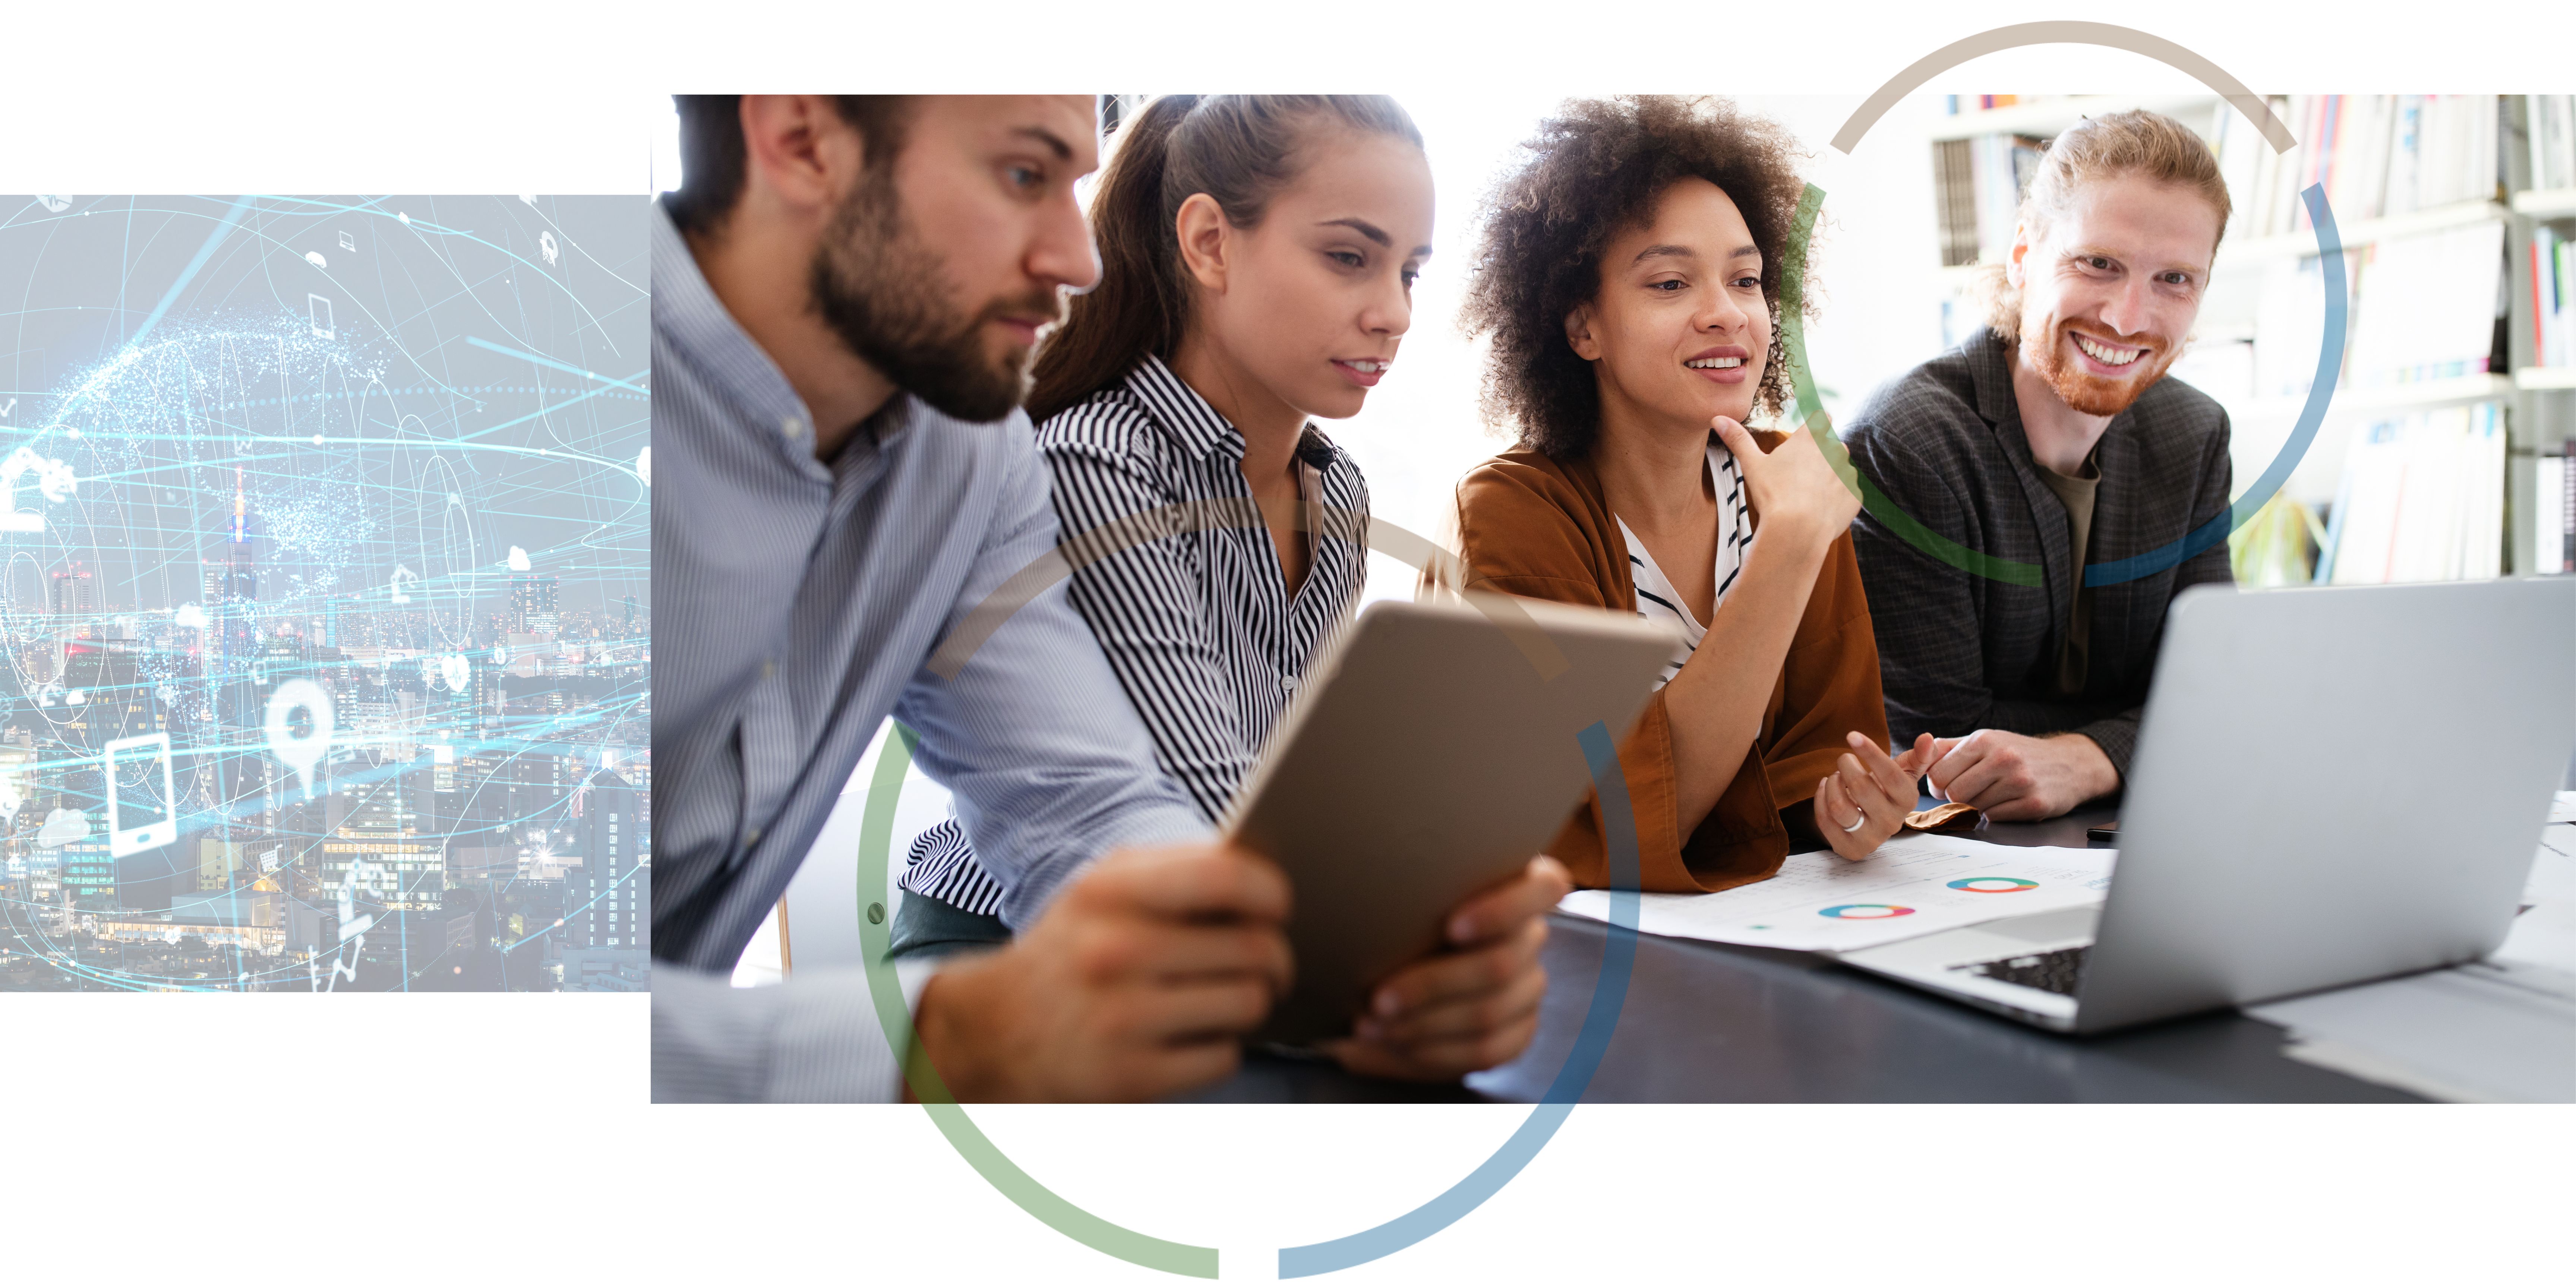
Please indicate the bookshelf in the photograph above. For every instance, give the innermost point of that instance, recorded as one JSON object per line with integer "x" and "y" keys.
{"x": 2045, "y": 117}
{"x": 2361, "y": 232}
{"x": 2387, "y": 398}
{"x": 2549, "y": 203}
{"x": 2442, "y": 196}
{"x": 2543, "y": 339}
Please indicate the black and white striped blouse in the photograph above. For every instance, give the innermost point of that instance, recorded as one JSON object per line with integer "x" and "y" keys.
{"x": 1198, "y": 625}
{"x": 1657, "y": 597}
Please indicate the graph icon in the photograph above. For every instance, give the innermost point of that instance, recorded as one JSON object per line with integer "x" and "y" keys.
{"x": 1994, "y": 885}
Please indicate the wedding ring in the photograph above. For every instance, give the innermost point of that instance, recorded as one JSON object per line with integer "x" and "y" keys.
{"x": 1859, "y": 823}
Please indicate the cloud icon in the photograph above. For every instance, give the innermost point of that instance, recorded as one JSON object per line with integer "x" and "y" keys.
{"x": 644, "y": 465}
{"x": 518, "y": 559}
{"x": 189, "y": 615}
{"x": 315, "y": 258}
{"x": 62, "y": 827}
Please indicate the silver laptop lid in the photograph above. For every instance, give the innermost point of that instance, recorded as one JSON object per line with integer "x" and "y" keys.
{"x": 2332, "y": 785}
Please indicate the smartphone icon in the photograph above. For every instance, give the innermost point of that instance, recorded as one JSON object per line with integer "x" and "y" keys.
{"x": 140, "y": 814}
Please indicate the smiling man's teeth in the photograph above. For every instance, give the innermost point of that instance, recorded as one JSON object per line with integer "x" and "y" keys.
{"x": 1714, "y": 364}
{"x": 1364, "y": 367}
{"x": 2106, "y": 355}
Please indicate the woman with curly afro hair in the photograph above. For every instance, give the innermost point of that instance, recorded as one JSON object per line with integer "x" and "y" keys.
{"x": 1630, "y": 283}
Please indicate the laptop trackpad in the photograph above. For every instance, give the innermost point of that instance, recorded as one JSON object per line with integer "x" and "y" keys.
{"x": 2045, "y": 927}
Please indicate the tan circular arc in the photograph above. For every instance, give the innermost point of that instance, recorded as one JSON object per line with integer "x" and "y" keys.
{"x": 2063, "y": 33}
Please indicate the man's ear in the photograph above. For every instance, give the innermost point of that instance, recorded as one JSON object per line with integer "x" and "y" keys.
{"x": 1206, "y": 240}
{"x": 797, "y": 148}
{"x": 2014, "y": 270}
{"x": 1578, "y": 333}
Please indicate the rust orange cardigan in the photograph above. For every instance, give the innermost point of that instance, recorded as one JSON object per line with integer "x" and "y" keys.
{"x": 1537, "y": 527}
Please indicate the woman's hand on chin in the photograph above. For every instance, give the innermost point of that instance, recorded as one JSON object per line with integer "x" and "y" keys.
{"x": 1793, "y": 489}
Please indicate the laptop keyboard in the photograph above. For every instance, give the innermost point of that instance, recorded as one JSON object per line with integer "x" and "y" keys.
{"x": 2057, "y": 972}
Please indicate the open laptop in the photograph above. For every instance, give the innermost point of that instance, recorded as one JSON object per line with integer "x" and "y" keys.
{"x": 2330, "y": 786}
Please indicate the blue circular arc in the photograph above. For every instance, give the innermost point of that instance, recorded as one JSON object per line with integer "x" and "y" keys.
{"x": 2311, "y": 415}
{"x": 1609, "y": 994}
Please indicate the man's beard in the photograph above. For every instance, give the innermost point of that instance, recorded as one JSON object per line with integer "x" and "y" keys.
{"x": 882, "y": 291}
{"x": 2083, "y": 391}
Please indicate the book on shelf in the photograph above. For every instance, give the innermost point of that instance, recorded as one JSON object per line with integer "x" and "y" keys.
{"x": 2553, "y": 517}
{"x": 2553, "y": 298}
{"x": 1977, "y": 188}
{"x": 2421, "y": 499}
{"x": 2426, "y": 305}
{"x": 2004, "y": 166}
{"x": 2417, "y": 308}
{"x": 2550, "y": 125}
{"x": 1958, "y": 103}
{"x": 2376, "y": 155}
{"x": 1954, "y": 194}
{"x": 2290, "y": 321}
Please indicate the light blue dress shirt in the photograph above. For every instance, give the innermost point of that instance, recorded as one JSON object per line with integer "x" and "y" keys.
{"x": 794, "y": 604}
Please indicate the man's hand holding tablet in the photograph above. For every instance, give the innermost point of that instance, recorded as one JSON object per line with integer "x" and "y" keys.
{"x": 1472, "y": 1005}
{"x": 1139, "y": 981}
{"x": 1143, "y": 977}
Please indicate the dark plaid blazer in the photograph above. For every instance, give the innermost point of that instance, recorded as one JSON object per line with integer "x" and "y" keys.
{"x": 1942, "y": 447}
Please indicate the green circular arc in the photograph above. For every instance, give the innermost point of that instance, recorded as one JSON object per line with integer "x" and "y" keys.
{"x": 876, "y": 832}
{"x": 1811, "y": 416}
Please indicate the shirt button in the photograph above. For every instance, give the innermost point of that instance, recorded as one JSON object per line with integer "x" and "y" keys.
{"x": 751, "y": 838}
{"x": 1288, "y": 682}
{"x": 792, "y": 426}
{"x": 768, "y": 669}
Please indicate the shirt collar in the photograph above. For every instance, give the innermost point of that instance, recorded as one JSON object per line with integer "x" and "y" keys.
{"x": 1990, "y": 362}
{"x": 1198, "y": 427}
{"x": 1181, "y": 412}
{"x": 688, "y": 316}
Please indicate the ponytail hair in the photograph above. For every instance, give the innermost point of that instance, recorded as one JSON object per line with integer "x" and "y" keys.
{"x": 1239, "y": 149}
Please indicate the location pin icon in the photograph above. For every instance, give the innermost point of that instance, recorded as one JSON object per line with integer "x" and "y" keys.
{"x": 300, "y": 754}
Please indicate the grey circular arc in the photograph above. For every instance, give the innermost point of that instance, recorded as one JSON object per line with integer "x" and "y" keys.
{"x": 1609, "y": 995}
{"x": 2330, "y": 340}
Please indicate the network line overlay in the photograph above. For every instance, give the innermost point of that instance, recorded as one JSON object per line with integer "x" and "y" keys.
{"x": 325, "y": 633}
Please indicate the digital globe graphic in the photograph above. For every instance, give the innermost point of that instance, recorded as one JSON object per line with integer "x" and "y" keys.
{"x": 325, "y": 634}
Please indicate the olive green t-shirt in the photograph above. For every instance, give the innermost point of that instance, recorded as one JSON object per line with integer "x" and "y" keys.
{"x": 2076, "y": 494}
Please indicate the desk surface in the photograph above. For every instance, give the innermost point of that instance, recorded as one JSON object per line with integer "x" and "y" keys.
{"x": 1708, "y": 1022}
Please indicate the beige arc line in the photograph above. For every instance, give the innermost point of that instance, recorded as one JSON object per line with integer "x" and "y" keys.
{"x": 2063, "y": 33}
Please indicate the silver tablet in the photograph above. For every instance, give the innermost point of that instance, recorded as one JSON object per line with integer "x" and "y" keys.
{"x": 1431, "y": 754}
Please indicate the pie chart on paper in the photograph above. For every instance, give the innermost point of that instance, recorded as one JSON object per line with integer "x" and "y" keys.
{"x": 1994, "y": 885}
{"x": 1865, "y": 911}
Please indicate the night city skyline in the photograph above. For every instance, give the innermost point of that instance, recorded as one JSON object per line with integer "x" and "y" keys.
{"x": 325, "y": 609}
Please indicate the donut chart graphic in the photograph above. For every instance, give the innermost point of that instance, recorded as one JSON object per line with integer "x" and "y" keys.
{"x": 1865, "y": 911}
{"x": 1994, "y": 885}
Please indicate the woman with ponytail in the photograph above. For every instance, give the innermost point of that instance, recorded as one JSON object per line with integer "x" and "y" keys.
{"x": 1258, "y": 256}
